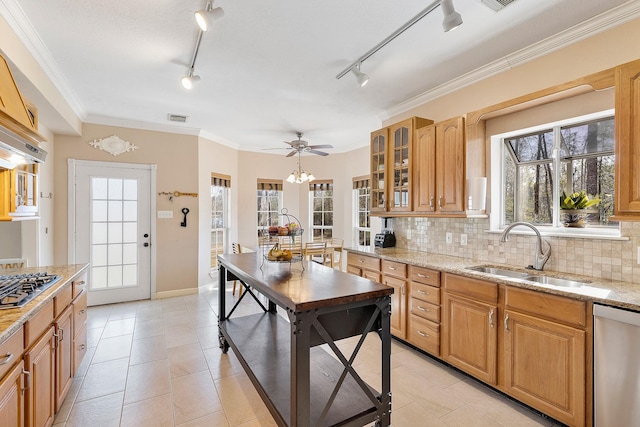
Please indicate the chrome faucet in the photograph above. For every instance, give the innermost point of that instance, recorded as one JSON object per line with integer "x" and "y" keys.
{"x": 541, "y": 256}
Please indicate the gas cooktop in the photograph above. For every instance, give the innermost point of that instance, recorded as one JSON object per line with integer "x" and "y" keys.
{"x": 18, "y": 289}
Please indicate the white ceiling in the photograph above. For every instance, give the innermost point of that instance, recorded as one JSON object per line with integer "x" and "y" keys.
{"x": 268, "y": 69}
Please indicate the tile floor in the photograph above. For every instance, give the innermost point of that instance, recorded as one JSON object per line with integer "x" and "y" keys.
{"x": 157, "y": 363}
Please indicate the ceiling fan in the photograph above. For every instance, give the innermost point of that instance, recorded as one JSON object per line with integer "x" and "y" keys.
{"x": 299, "y": 146}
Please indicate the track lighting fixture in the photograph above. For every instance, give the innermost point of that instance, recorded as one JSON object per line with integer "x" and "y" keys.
{"x": 205, "y": 17}
{"x": 189, "y": 80}
{"x": 452, "y": 19}
{"x": 361, "y": 77}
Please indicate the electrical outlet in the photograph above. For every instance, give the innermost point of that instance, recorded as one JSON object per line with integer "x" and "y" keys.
{"x": 165, "y": 214}
{"x": 449, "y": 237}
{"x": 463, "y": 239}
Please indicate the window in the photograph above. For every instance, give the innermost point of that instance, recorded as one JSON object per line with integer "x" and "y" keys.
{"x": 220, "y": 185}
{"x": 321, "y": 210}
{"x": 361, "y": 205}
{"x": 540, "y": 166}
{"x": 269, "y": 205}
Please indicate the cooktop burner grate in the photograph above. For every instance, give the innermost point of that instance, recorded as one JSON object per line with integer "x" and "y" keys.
{"x": 18, "y": 289}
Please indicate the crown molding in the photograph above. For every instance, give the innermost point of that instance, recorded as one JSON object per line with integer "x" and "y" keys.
{"x": 598, "y": 24}
{"x": 11, "y": 11}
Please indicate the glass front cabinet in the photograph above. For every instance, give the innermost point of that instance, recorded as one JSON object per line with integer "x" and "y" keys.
{"x": 19, "y": 192}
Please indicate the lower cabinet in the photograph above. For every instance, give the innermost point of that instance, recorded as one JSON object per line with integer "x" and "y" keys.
{"x": 40, "y": 390}
{"x": 469, "y": 337}
{"x": 394, "y": 274}
{"x": 64, "y": 355}
{"x": 12, "y": 398}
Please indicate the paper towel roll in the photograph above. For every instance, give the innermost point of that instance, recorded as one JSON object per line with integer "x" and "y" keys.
{"x": 477, "y": 194}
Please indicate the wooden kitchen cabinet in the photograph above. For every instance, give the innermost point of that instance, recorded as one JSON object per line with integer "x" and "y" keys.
{"x": 19, "y": 190}
{"x": 392, "y": 166}
{"x": 627, "y": 147}
{"x": 40, "y": 393}
{"x": 394, "y": 274}
{"x": 423, "y": 329}
{"x": 364, "y": 266}
{"x": 12, "y": 408}
{"x": 63, "y": 338}
{"x": 439, "y": 172}
{"x": 545, "y": 346}
{"x": 79, "y": 307}
{"x": 469, "y": 332}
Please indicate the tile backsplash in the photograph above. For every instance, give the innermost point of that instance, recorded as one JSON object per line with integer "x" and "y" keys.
{"x": 607, "y": 259}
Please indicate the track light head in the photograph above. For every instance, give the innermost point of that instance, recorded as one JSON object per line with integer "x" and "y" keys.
{"x": 189, "y": 80}
{"x": 361, "y": 77}
{"x": 452, "y": 19}
{"x": 205, "y": 17}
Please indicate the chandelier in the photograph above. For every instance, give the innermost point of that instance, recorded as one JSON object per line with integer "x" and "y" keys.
{"x": 299, "y": 176}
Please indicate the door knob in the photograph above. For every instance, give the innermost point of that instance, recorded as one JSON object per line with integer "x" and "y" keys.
{"x": 146, "y": 244}
{"x": 146, "y": 235}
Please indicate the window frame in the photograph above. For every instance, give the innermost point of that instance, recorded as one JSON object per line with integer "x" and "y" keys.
{"x": 356, "y": 194}
{"x": 264, "y": 230}
{"x": 312, "y": 212}
{"x": 498, "y": 181}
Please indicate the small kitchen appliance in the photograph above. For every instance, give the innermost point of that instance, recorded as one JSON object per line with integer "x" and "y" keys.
{"x": 385, "y": 240}
{"x": 18, "y": 289}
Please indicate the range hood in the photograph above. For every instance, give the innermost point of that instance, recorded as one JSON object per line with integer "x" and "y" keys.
{"x": 19, "y": 138}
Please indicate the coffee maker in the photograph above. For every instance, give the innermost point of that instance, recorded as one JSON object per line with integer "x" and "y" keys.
{"x": 386, "y": 238}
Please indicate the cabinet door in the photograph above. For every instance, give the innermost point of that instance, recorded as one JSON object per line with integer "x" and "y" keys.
{"x": 544, "y": 366}
{"x": 627, "y": 198}
{"x": 398, "y": 306}
{"x": 400, "y": 145}
{"x": 424, "y": 152}
{"x": 12, "y": 398}
{"x": 64, "y": 355}
{"x": 40, "y": 394}
{"x": 379, "y": 141}
{"x": 450, "y": 165}
{"x": 469, "y": 336}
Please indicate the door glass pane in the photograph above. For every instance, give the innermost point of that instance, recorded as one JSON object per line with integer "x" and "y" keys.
{"x": 130, "y": 189}
{"x": 129, "y": 232}
{"x": 99, "y": 255}
{"x": 99, "y": 210}
{"x": 99, "y": 277}
{"x": 130, "y": 211}
{"x": 99, "y": 233}
{"x": 115, "y": 232}
{"x": 115, "y": 210}
{"x": 129, "y": 275}
{"x": 115, "y": 188}
{"x": 99, "y": 188}
{"x": 130, "y": 253}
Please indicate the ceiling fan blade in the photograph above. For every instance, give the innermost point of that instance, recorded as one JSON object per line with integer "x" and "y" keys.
{"x": 319, "y": 153}
{"x": 292, "y": 153}
{"x": 311, "y": 147}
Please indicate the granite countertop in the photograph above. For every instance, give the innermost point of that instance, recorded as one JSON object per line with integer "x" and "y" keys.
{"x": 610, "y": 292}
{"x": 12, "y": 319}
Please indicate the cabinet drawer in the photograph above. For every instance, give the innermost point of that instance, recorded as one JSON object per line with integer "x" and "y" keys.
{"x": 392, "y": 268}
{"x": 11, "y": 351}
{"x": 424, "y": 275}
{"x": 477, "y": 289}
{"x": 79, "y": 313}
{"x": 424, "y": 334}
{"x": 425, "y": 310}
{"x": 79, "y": 285}
{"x": 39, "y": 323}
{"x": 371, "y": 275}
{"x": 425, "y": 293}
{"x": 79, "y": 348}
{"x": 354, "y": 270}
{"x": 363, "y": 261}
{"x": 553, "y": 307}
{"x": 62, "y": 300}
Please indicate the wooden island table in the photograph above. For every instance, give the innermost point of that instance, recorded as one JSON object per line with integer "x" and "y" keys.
{"x": 300, "y": 382}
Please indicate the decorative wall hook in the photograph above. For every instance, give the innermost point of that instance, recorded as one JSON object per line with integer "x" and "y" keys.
{"x": 176, "y": 194}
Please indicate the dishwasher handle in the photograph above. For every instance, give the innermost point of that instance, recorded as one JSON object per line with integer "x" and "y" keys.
{"x": 617, "y": 314}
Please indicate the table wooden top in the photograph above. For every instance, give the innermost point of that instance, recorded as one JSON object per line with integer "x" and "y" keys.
{"x": 289, "y": 286}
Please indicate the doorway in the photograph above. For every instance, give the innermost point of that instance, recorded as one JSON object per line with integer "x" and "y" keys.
{"x": 111, "y": 227}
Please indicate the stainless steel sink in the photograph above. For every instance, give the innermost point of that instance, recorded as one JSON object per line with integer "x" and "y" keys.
{"x": 500, "y": 272}
{"x": 554, "y": 281}
{"x": 543, "y": 280}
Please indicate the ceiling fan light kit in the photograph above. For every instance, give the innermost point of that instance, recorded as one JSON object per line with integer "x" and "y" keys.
{"x": 204, "y": 18}
{"x": 452, "y": 19}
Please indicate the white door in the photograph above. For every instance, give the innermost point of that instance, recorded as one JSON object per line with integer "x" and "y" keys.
{"x": 112, "y": 229}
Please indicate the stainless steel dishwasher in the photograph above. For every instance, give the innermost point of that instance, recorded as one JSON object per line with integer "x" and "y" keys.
{"x": 616, "y": 345}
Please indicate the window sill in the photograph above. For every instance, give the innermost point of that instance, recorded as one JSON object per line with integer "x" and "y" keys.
{"x": 572, "y": 233}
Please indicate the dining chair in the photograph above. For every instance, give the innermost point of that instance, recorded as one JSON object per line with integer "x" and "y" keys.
{"x": 316, "y": 249}
{"x": 335, "y": 247}
{"x": 236, "y": 248}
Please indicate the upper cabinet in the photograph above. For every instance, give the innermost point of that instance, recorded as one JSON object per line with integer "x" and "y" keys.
{"x": 627, "y": 182}
{"x": 439, "y": 168}
{"x": 392, "y": 164}
{"x": 19, "y": 190}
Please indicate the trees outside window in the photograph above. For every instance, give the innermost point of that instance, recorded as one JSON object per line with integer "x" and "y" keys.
{"x": 539, "y": 167}
{"x": 321, "y": 210}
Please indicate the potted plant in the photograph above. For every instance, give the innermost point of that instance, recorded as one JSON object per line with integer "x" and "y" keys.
{"x": 576, "y": 205}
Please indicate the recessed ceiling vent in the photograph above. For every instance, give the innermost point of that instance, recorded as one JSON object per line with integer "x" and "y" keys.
{"x": 497, "y": 4}
{"x": 177, "y": 118}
